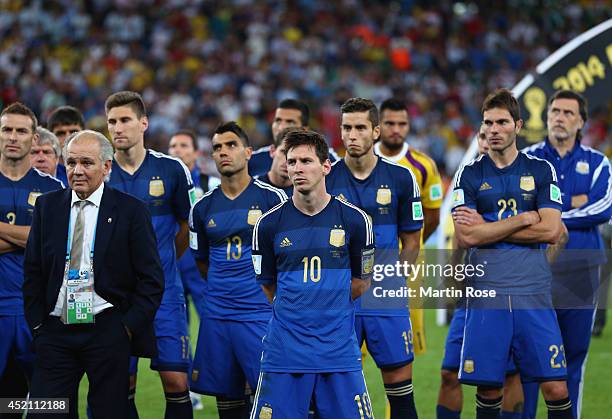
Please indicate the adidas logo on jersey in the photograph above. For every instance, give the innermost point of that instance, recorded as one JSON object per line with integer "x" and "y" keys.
{"x": 211, "y": 223}
{"x": 285, "y": 242}
{"x": 485, "y": 187}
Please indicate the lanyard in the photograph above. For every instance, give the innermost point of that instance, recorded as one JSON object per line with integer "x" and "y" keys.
{"x": 69, "y": 241}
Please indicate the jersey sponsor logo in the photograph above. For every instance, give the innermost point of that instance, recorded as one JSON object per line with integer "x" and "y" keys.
{"x": 555, "y": 194}
{"x": 265, "y": 412}
{"x": 485, "y": 187}
{"x": 253, "y": 216}
{"x": 468, "y": 366}
{"x": 193, "y": 240}
{"x": 417, "y": 211}
{"x": 336, "y": 237}
{"x": 32, "y": 197}
{"x": 383, "y": 196}
{"x": 527, "y": 183}
{"x": 211, "y": 223}
{"x": 285, "y": 242}
{"x": 156, "y": 187}
{"x": 435, "y": 192}
{"x": 257, "y": 263}
{"x": 582, "y": 167}
{"x": 458, "y": 197}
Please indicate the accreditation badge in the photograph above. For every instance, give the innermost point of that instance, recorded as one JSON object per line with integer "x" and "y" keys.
{"x": 527, "y": 183}
{"x": 253, "y": 216}
{"x": 79, "y": 296}
{"x": 336, "y": 237}
{"x": 156, "y": 187}
{"x": 383, "y": 196}
{"x": 32, "y": 197}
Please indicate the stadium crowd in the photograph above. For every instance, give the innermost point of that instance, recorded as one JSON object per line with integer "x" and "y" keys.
{"x": 198, "y": 64}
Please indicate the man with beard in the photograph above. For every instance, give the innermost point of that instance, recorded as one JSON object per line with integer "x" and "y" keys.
{"x": 236, "y": 311}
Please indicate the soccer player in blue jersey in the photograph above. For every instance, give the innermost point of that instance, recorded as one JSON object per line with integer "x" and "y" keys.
{"x": 450, "y": 396}
{"x": 586, "y": 187}
{"x": 62, "y": 122}
{"x": 313, "y": 255}
{"x": 20, "y": 185}
{"x": 519, "y": 201}
{"x": 236, "y": 311}
{"x": 278, "y": 176}
{"x": 389, "y": 194}
{"x": 164, "y": 183}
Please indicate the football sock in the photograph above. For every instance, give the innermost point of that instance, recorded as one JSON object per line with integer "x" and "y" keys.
{"x": 401, "y": 400}
{"x": 443, "y": 412}
{"x": 511, "y": 415}
{"x": 488, "y": 408}
{"x": 559, "y": 409}
{"x": 178, "y": 405}
{"x": 231, "y": 408}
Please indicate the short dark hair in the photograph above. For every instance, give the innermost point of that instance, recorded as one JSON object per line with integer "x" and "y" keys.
{"x": 18, "y": 108}
{"x": 393, "y": 104}
{"x": 283, "y": 133}
{"x": 65, "y": 115}
{"x": 297, "y": 105}
{"x": 308, "y": 138}
{"x": 189, "y": 133}
{"x": 569, "y": 94}
{"x": 359, "y": 104}
{"x": 232, "y": 126}
{"x": 126, "y": 98}
{"x": 503, "y": 99}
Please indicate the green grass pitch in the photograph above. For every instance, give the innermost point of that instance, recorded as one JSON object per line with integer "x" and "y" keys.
{"x": 597, "y": 402}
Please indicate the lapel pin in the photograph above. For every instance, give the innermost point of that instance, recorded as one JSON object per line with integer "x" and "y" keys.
{"x": 110, "y": 220}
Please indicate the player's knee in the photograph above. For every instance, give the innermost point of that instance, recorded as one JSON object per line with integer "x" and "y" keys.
{"x": 174, "y": 382}
{"x": 489, "y": 392}
{"x": 450, "y": 379}
{"x": 397, "y": 375}
{"x": 554, "y": 390}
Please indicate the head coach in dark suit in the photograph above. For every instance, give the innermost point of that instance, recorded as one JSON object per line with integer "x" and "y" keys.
{"x": 86, "y": 316}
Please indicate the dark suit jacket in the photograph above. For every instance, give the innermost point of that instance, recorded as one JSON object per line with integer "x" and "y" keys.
{"x": 127, "y": 269}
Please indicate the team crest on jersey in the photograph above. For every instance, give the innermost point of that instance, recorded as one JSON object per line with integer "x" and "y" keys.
{"x": 383, "y": 196}
{"x": 265, "y": 412}
{"x": 254, "y": 214}
{"x": 32, "y": 197}
{"x": 156, "y": 187}
{"x": 336, "y": 237}
{"x": 582, "y": 167}
{"x": 527, "y": 183}
{"x": 468, "y": 366}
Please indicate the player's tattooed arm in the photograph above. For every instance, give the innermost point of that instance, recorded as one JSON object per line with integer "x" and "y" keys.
{"x": 17, "y": 235}
{"x": 6, "y": 246}
{"x": 181, "y": 241}
{"x": 553, "y": 250}
{"x": 547, "y": 230}
{"x": 203, "y": 268}
{"x": 270, "y": 291}
{"x": 473, "y": 235}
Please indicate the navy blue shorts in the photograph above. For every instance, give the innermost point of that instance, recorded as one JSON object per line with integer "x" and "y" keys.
{"x": 388, "y": 339}
{"x": 16, "y": 339}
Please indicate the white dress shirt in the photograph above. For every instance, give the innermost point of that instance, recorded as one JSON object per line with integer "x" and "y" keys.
{"x": 90, "y": 214}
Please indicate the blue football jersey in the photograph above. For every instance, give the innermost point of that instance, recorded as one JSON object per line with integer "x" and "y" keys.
{"x": 391, "y": 198}
{"x": 221, "y": 231}
{"x": 312, "y": 260}
{"x": 265, "y": 178}
{"x": 164, "y": 184}
{"x": 17, "y": 199}
{"x": 528, "y": 184}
